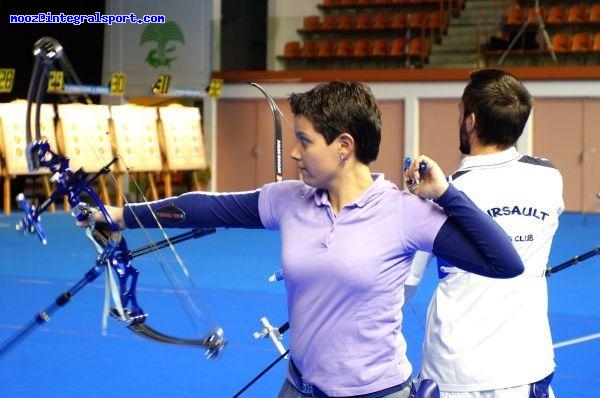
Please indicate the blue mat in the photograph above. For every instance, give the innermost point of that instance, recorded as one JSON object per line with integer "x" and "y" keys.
{"x": 71, "y": 357}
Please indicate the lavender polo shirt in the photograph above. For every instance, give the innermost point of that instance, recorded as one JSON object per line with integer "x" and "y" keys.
{"x": 344, "y": 277}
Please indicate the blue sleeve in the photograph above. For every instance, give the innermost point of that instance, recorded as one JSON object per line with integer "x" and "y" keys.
{"x": 472, "y": 241}
{"x": 197, "y": 210}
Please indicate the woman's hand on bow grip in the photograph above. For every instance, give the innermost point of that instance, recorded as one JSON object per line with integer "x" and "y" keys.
{"x": 116, "y": 213}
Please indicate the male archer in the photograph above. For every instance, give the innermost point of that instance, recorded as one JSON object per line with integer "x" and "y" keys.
{"x": 490, "y": 338}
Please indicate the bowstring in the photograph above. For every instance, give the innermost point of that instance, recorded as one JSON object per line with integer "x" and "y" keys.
{"x": 175, "y": 283}
{"x": 285, "y": 119}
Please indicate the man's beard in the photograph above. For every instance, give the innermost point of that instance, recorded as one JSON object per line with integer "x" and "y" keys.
{"x": 464, "y": 146}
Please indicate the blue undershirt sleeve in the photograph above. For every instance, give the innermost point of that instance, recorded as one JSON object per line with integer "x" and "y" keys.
{"x": 197, "y": 210}
{"x": 472, "y": 241}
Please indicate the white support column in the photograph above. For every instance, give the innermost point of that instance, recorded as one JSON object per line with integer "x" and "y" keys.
{"x": 209, "y": 127}
{"x": 411, "y": 126}
{"x": 216, "y": 35}
{"x": 525, "y": 142}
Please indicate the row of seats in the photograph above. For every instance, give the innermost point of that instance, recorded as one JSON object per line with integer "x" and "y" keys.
{"x": 378, "y": 21}
{"x": 370, "y": 30}
{"x": 582, "y": 42}
{"x": 577, "y": 43}
{"x": 382, "y": 47}
{"x": 383, "y": 3}
{"x": 555, "y": 15}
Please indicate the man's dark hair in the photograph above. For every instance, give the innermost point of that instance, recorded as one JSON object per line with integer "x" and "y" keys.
{"x": 501, "y": 105}
{"x": 343, "y": 107}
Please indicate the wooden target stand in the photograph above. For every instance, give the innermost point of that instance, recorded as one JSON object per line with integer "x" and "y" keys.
{"x": 182, "y": 144}
{"x": 135, "y": 133}
{"x": 83, "y": 136}
{"x": 13, "y": 142}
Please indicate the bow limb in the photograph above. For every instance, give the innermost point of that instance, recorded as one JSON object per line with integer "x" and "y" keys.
{"x": 278, "y": 142}
{"x": 213, "y": 342}
{"x": 274, "y": 334}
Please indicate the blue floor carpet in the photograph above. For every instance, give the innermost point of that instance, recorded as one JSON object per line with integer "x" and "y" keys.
{"x": 71, "y": 357}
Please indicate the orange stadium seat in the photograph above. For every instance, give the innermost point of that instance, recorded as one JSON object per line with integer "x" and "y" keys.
{"x": 398, "y": 47}
{"x": 557, "y": 15}
{"x": 533, "y": 13}
{"x": 346, "y": 21}
{"x": 417, "y": 20}
{"x": 325, "y": 48}
{"x": 399, "y": 21}
{"x": 380, "y": 47}
{"x": 344, "y": 48}
{"x": 577, "y": 14}
{"x": 362, "y": 48}
{"x": 291, "y": 49}
{"x": 561, "y": 42}
{"x": 312, "y": 22}
{"x": 330, "y": 22}
{"x": 594, "y": 16}
{"x": 364, "y": 21}
{"x": 596, "y": 45}
{"x": 581, "y": 42}
{"x": 381, "y": 20}
{"x": 309, "y": 49}
{"x": 418, "y": 48}
{"x": 436, "y": 20}
{"x": 516, "y": 16}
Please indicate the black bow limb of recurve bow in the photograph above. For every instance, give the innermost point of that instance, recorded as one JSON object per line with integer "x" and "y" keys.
{"x": 275, "y": 334}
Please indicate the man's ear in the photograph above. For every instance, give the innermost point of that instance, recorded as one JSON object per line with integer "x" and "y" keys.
{"x": 470, "y": 122}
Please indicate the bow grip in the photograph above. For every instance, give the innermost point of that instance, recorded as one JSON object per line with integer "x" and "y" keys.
{"x": 422, "y": 169}
{"x": 31, "y": 221}
{"x": 82, "y": 211}
{"x": 111, "y": 247}
{"x": 408, "y": 161}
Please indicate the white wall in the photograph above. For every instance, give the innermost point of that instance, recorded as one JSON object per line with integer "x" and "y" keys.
{"x": 192, "y": 64}
{"x": 412, "y": 93}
